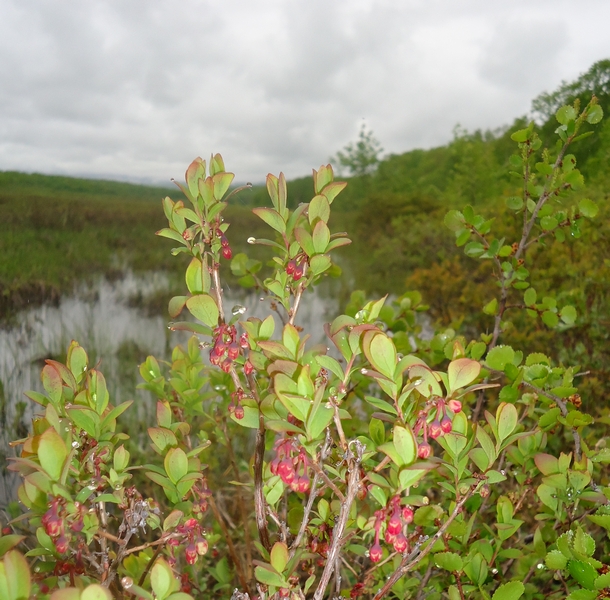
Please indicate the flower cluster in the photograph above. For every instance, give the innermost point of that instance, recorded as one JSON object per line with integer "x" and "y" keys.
{"x": 226, "y": 249}
{"x": 296, "y": 268}
{"x": 235, "y": 406}
{"x": 55, "y": 520}
{"x": 441, "y": 424}
{"x": 200, "y": 493}
{"x": 396, "y": 517}
{"x": 227, "y": 347}
{"x": 291, "y": 465}
{"x": 192, "y": 536}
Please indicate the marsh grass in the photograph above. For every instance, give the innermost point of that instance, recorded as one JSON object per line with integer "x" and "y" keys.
{"x": 57, "y": 231}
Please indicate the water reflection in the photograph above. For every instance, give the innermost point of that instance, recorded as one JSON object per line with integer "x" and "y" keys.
{"x": 114, "y": 322}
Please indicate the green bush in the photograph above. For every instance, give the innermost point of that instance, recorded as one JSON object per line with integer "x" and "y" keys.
{"x": 396, "y": 464}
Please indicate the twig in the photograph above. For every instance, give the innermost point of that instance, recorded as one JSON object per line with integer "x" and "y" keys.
{"x": 305, "y": 520}
{"x": 353, "y": 481}
{"x": 238, "y": 566}
{"x": 242, "y": 500}
{"x": 259, "y": 454}
{"x": 218, "y": 291}
{"x": 564, "y": 412}
{"x": 414, "y": 558}
{"x": 320, "y": 472}
{"x": 297, "y": 301}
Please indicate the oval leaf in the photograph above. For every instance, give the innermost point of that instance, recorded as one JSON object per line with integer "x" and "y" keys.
{"x": 203, "y": 307}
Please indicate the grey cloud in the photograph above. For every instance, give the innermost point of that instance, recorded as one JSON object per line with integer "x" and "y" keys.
{"x": 137, "y": 89}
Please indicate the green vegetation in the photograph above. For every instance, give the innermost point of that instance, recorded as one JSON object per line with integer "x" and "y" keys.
{"x": 57, "y": 231}
{"x": 399, "y": 465}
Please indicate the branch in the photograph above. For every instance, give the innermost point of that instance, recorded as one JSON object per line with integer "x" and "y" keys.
{"x": 414, "y": 558}
{"x": 353, "y": 481}
{"x": 259, "y": 453}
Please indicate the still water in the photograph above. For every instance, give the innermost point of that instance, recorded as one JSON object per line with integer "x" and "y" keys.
{"x": 107, "y": 318}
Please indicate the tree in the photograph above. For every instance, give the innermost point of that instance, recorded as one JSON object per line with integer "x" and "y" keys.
{"x": 361, "y": 157}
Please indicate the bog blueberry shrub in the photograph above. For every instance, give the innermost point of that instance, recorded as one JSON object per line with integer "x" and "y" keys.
{"x": 385, "y": 465}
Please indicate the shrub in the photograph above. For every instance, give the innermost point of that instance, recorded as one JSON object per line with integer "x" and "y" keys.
{"x": 389, "y": 466}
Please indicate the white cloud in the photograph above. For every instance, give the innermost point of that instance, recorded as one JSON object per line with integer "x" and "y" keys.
{"x": 137, "y": 89}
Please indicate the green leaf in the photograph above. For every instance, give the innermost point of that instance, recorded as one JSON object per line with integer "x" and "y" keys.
{"x": 530, "y": 296}
{"x": 272, "y": 218}
{"x": 513, "y": 590}
{"x": 491, "y": 308}
{"x": 506, "y": 420}
{"x": 17, "y": 574}
{"x": 454, "y": 220}
{"x": 450, "y": 561}
{"x": 595, "y": 114}
{"x": 520, "y": 136}
{"x": 380, "y": 352}
{"x": 161, "y": 579}
{"x": 566, "y": 114}
{"x": 176, "y": 304}
{"x": 548, "y": 223}
{"x": 376, "y": 431}
{"x": 279, "y": 556}
{"x": 319, "y": 263}
{"x": 498, "y": 357}
{"x": 555, "y": 560}
{"x": 320, "y": 237}
{"x": 176, "y": 464}
{"x": 550, "y": 319}
{"x": 319, "y": 208}
{"x": 268, "y": 577}
{"x": 588, "y": 208}
{"x": 584, "y": 543}
{"x": 405, "y": 445}
{"x": 568, "y": 315}
{"x": 95, "y": 592}
{"x": 514, "y": 202}
{"x": 461, "y": 373}
{"x": 194, "y": 277}
{"x": 583, "y": 573}
{"x": 222, "y": 181}
{"x": 204, "y": 308}
{"x": 52, "y": 453}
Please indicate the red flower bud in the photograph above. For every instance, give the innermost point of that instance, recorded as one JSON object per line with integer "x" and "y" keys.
{"x": 224, "y": 241}
{"x": 446, "y": 424}
{"x": 424, "y": 450}
{"x": 190, "y": 553}
{"x": 243, "y": 341}
{"x": 286, "y": 471}
{"x": 407, "y": 514}
{"x": 435, "y": 429}
{"x": 61, "y": 544}
{"x": 226, "y": 252}
{"x": 239, "y": 412}
{"x": 375, "y": 553}
{"x": 300, "y": 484}
{"x": 202, "y": 546}
{"x": 298, "y": 273}
{"x": 290, "y": 267}
{"x": 233, "y": 351}
{"x": 248, "y": 368}
{"x": 389, "y": 537}
{"x": 400, "y": 543}
{"x": 394, "y": 524}
{"x": 53, "y": 525}
{"x": 454, "y": 406}
{"x": 226, "y": 365}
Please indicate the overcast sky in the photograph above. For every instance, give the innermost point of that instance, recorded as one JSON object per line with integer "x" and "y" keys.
{"x": 135, "y": 89}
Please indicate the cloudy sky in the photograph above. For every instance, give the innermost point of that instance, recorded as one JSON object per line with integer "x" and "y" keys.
{"x": 134, "y": 89}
